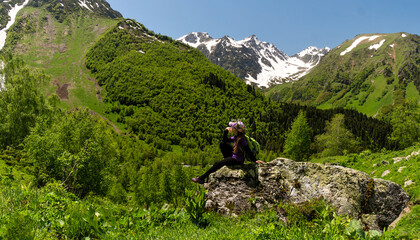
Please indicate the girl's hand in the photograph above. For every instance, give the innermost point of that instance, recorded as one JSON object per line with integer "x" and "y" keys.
{"x": 259, "y": 161}
{"x": 229, "y": 129}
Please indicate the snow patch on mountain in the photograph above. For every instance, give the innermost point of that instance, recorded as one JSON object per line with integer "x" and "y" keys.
{"x": 377, "y": 46}
{"x": 88, "y": 4}
{"x": 3, "y": 35}
{"x": 82, "y": 3}
{"x": 12, "y": 14}
{"x": 259, "y": 62}
{"x": 357, "y": 42}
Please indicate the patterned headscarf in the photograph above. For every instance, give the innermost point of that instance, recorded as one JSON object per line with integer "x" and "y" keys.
{"x": 238, "y": 125}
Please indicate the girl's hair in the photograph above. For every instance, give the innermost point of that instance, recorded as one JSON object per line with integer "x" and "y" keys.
{"x": 240, "y": 127}
{"x": 238, "y": 139}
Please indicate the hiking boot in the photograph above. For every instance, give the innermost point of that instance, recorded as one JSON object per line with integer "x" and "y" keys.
{"x": 198, "y": 180}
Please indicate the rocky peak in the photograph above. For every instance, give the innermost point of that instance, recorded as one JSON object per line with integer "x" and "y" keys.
{"x": 375, "y": 201}
{"x": 257, "y": 62}
{"x": 197, "y": 38}
{"x": 252, "y": 41}
{"x": 312, "y": 54}
{"x": 227, "y": 41}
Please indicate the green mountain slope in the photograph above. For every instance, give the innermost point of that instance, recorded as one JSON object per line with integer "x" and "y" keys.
{"x": 168, "y": 92}
{"x": 369, "y": 73}
{"x": 54, "y": 36}
{"x": 162, "y": 90}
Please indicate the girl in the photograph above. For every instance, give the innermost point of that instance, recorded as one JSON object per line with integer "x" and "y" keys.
{"x": 231, "y": 155}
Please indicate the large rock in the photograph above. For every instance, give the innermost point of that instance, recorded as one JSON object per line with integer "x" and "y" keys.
{"x": 236, "y": 189}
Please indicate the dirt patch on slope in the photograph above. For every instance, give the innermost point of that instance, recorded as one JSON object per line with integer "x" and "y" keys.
{"x": 62, "y": 90}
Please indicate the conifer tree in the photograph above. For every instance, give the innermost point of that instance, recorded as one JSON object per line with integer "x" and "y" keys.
{"x": 165, "y": 185}
{"x": 298, "y": 139}
{"x": 337, "y": 139}
{"x": 179, "y": 183}
{"x": 406, "y": 125}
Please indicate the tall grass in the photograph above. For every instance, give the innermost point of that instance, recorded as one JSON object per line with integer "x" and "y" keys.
{"x": 53, "y": 213}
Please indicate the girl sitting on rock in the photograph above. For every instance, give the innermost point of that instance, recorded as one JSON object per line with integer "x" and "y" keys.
{"x": 231, "y": 155}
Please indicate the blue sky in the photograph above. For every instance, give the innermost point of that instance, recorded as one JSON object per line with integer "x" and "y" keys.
{"x": 291, "y": 25}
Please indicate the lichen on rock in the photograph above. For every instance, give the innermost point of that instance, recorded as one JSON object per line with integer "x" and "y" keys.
{"x": 233, "y": 190}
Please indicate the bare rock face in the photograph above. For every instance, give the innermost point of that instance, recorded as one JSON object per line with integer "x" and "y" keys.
{"x": 376, "y": 202}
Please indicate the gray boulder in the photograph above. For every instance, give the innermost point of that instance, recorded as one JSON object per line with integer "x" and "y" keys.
{"x": 376, "y": 202}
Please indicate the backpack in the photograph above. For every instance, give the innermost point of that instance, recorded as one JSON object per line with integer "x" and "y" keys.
{"x": 253, "y": 145}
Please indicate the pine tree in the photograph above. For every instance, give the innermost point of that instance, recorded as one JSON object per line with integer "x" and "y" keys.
{"x": 298, "y": 139}
{"x": 337, "y": 139}
{"x": 165, "y": 185}
{"x": 406, "y": 125}
{"x": 179, "y": 183}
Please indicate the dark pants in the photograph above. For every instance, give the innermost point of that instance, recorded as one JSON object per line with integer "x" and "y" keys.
{"x": 227, "y": 151}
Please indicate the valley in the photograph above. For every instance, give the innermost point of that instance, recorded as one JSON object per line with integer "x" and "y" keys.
{"x": 105, "y": 122}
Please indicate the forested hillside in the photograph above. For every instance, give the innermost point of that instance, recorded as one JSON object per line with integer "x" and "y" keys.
{"x": 170, "y": 94}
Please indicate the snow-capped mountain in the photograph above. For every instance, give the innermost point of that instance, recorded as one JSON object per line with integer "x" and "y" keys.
{"x": 255, "y": 61}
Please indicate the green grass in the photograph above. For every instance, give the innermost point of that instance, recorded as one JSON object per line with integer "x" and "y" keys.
{"x": 277, "y": 89}
{"x": 376, "y": 100}
{"x": 326, "y": 105}
{"x": 60, "y": 52}
{"x": 381, "y": 96}
{"x": 51, "y": 212}
{"x": 409, "y": 226}
{"x": 412, "y": 93}
{"x": 373, "y": 102}
{"x": 401, "y": 171}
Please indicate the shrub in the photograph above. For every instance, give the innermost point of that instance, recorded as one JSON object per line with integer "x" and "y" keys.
{"x": 20, "y": 227}
{"x": 195, "y": 202}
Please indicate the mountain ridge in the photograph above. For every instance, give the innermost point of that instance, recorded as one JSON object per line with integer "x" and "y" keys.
{"x": 257, "y": 62}
{"x": 60, "y": 8}
{"x": 371, "y": 73}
